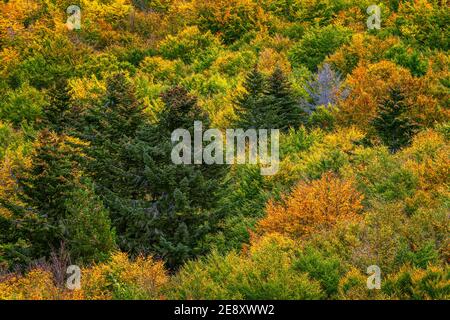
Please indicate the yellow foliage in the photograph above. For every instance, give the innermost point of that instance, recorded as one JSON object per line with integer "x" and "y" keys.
{"x": 353, "y": 286}
{"x": 269, "y": 60}
{"x": 10, "y": 58}
{"x": 353, "y": 18}
{"x": 313, "y": 207}
{"x": 145, "y": 274}
{"x": 86, "y": 91}
{"x": 432, "y": 283}
{"x": 12, "y": 13}
{"x": 162, "y": 69}
{"x": 97, "y": 282}
{"x": 308, "y": 163}
{"x": 9, "y": 167}
{"x": 429, "y": 159}
{"x": 36, "y": 285}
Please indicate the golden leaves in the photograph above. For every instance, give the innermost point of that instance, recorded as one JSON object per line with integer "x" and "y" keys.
{"x": 144, "y": 275}
{"x": 313, "y": 207}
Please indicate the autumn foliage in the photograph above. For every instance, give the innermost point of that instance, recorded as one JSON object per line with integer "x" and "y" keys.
{"x": 86, "y": 176}
{"x": 313, "y": 207}
{"x": 119, "y": 278}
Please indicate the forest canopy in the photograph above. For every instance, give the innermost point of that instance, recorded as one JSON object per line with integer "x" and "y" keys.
{"x": 91, "y": 91}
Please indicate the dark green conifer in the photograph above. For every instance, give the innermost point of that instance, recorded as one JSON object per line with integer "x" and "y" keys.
{"x": 282, "y": 110}
{"x": 250, "y": 106}
{"x": 173, "y": 208}
{"x": 392, "y": 124}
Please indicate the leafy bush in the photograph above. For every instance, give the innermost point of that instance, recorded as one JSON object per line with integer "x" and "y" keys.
{"x": 408, "y": 58}
{"x": 188, "y": 45}
{"x": 122, "y": 278}
{"x": 316, "y": 45}
{"x": 327, "y": 270}
{"x": 24, "y": 104}
{"x": 231, "y": 19}
{"x": 419, "y": 284}
{"x": 264, "y": 272}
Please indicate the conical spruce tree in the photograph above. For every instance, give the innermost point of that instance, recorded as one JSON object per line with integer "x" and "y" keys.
{"x": 392, "y": 124}
{"x": 174, "y": 207}
{"x": 44, "y": 190}
{"x": 249, "y": 107}
{"x": 268, "y": 103}
{"x": 56, "y": 115}
{"x": 90, "y": 237}
{"x": 109, "y": 127}
{"x": 281, "y": 108}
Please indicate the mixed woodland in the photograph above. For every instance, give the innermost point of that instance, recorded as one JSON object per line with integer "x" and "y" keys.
{"x": 86, "y": 176}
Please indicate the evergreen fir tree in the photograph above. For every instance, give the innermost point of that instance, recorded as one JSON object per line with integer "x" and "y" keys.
{"x": 323, "y": 89}
{"x": 90, "y": 237}
{"x": 109, "y": 127}
{"x": 45, "y": 188}
{"x": 55, "y": 115}
{"x": 57, "y": 208}
{"x": 173, "y": 208}
{"x": 392, "y": 124}
{"x": 119, "y": 115}
{"x": 181, "y": 110}
{"x": 249, "y": 107}
{"x": 281, "y": 109}
{"x": 268, "y": 103}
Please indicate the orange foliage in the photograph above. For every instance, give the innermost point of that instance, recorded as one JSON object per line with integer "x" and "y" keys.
{"x": 363, "y": 49}
{"x": 313, "y": 207}
{"x": 353, "y": 18}
{"x": 370, "y": 85}
{"x": 429, "y": 159}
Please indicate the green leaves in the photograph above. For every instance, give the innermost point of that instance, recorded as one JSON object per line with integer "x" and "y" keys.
{"x": 317, "y": 44}
{"x": 23, "y": 105}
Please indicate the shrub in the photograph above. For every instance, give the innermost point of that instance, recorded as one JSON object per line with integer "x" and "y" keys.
{"x": 363, "y": 48}
{"x": 264, "y": 272}
{"x": 122, "y": 278}
{"x": 230, "y": 19}
{"x": 408, "y": 58}
{"x": 327, "y": 270}
{"x": 188, "y": 45}
{"x": 353, "y": 286}
{"x": 160, "y": 69}
{"x": 371, "y": 84}
{"x": 418, "y": 284}
{"x": 22, "y": 105}
{"x": 37, "y": 284}
{"x": 423, "y": 23}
